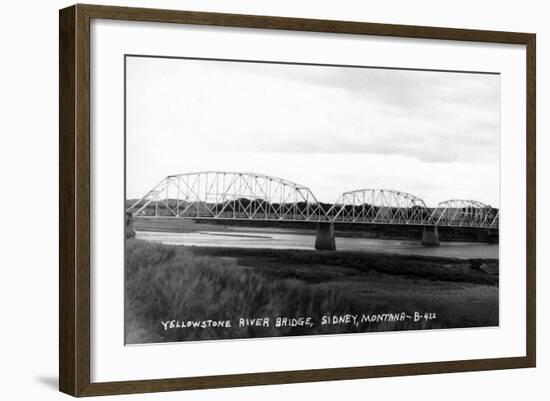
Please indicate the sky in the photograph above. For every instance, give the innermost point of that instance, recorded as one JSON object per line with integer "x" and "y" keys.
{"x": 333, "y": 129}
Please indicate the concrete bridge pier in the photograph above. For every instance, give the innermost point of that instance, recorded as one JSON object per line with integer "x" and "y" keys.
{"x": 430, "y": 236}
{"x": 325, "y": 237}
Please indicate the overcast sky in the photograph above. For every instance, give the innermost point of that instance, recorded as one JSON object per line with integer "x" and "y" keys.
{"x": 333, "y": 129}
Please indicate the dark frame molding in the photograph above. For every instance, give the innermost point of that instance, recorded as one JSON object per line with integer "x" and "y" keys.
{"x": 74, "y": 199}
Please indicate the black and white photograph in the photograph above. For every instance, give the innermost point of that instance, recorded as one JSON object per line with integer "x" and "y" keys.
{"x": 268, "y": 199}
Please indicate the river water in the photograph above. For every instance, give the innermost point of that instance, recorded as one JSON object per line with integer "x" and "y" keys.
{"x": 279, "y": 239}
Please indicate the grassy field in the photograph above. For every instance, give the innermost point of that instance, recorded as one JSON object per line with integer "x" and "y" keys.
{"x": 181, "y": 284}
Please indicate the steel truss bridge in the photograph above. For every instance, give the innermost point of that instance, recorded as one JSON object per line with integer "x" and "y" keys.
{"x": 249, "y": 196}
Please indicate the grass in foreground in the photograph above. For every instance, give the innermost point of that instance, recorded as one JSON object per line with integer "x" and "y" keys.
{"x": 165, "y": 283}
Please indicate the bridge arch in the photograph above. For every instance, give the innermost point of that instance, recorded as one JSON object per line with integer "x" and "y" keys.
{"x": 229, "y": 195}
{"x": 379, "y": 206}
{"x": 465, "y": 213}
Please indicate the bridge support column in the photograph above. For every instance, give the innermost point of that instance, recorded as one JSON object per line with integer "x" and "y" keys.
{"x": 430, "y": 236}
{"x": 129, "y": 231}
{"x": 325, "y": 237}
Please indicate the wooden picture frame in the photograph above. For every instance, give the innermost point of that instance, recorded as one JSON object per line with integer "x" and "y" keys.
{"x": 74, "y": 199}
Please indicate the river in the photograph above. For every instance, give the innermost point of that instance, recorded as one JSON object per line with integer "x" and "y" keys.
{"x": 281, "y": 239}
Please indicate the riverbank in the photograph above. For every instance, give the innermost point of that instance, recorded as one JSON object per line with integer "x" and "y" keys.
{"x": 178, "y": 284}
{"x": 342, "y": 230}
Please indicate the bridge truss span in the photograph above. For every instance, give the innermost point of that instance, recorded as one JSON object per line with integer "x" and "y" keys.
{"x": 251, "y": 196}
{"x": 230, "y": 195}
{"x": 465, "y": 213}
{"x": 379, "y": 206}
